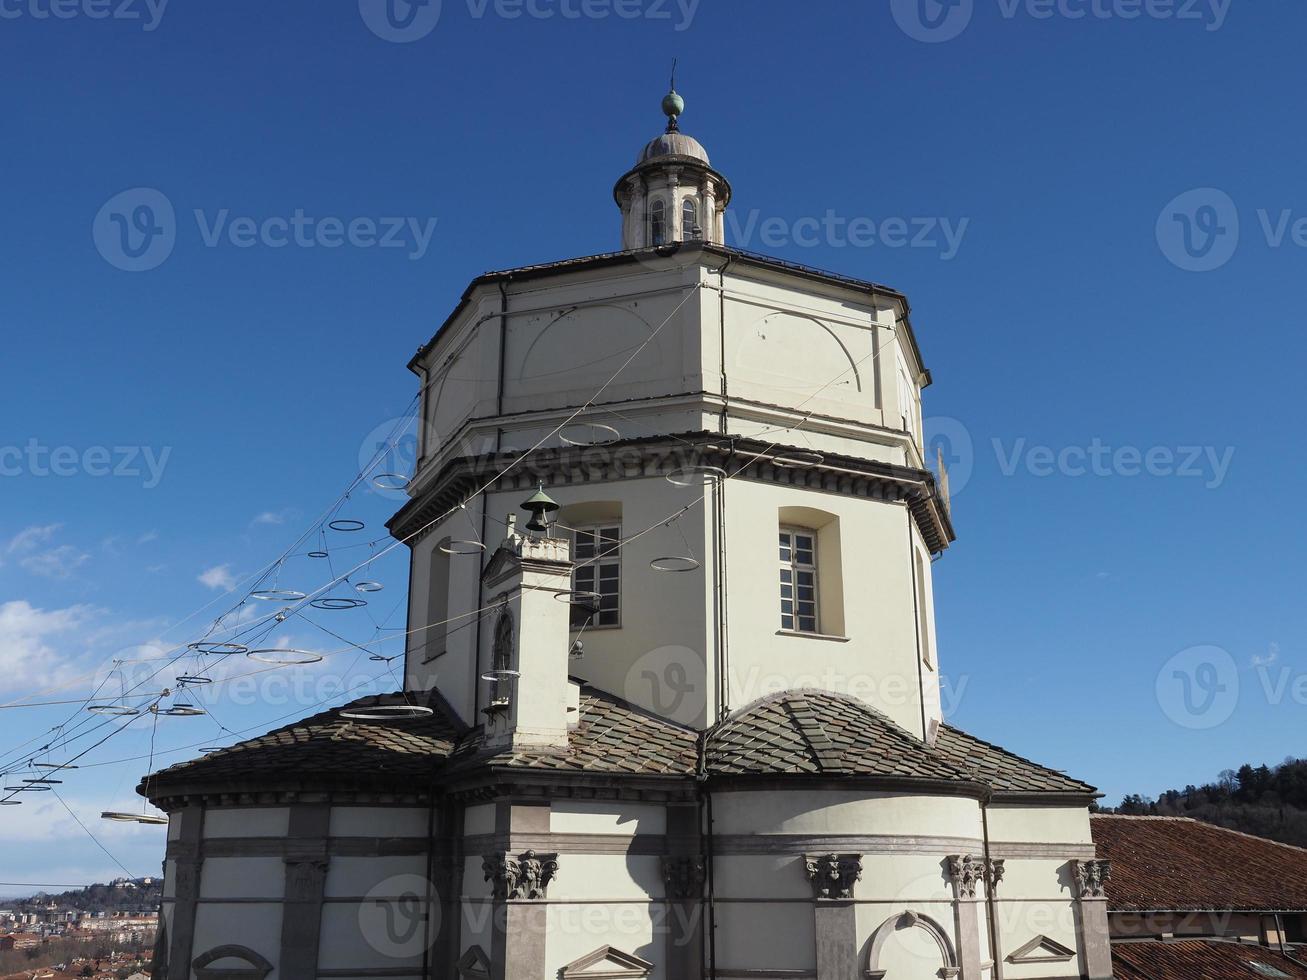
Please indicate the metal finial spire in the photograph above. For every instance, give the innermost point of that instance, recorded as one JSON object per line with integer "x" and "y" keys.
{"x": 673, "y": 104}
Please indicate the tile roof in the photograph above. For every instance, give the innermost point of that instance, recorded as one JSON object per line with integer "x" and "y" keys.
{"x": 795, "y": 732}
{"x": 327, "y": 745}
{"x": 1178, "y": 864}
{"x": 1001, "y": 769}
{"x": 611, "y": 736}
{"x": 817, "y": 732}
{"x": 1201, "y": 960}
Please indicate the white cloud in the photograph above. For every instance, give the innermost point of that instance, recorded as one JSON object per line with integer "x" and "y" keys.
{"x": 58, "y": 562}
{"x": 30, "y": 537}
{"x": 218, "y": 577}
{"x": 147, "y": 537}
{"x": 27, "y": 656}
{"x": 273, "y": 517}
{"x": 1265, "y": 660}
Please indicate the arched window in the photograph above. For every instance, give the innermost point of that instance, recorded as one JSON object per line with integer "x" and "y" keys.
{"x": 690, "y": 221}
{"x": 658, "y": 223}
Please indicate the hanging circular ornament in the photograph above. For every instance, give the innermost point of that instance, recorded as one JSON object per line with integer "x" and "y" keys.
{"x": 390, "y": 481}
{"x": 584, "y": 434}
{"x": 284, "y": 656}
{"x": 278, "y": 595}
{"x": 675, "y": 563}
{"x": 217, "y": 649}
{"x": 692, "y": 476}
{"x": 346, "y": 524}
{"x": 386, "y": 712}
{"x": 338, "y": 602}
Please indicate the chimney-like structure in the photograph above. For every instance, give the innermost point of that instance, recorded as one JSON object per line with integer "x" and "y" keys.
{"x": 527, "y": 692}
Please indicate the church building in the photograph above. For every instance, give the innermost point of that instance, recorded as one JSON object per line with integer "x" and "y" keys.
{"x": 671, "y": 703}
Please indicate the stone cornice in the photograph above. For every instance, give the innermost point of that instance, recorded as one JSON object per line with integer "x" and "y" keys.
{"x": 748, "y": 459}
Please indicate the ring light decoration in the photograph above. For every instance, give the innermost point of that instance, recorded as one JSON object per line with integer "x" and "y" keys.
{"x": 217, "y": 649}
{"x": 585, "y": 434}
{"x": 145, "y": 818}
{"x": 691, "y": 476}
{"x": 284, "y": 656}
{"x": 675, "y": 563}
{"x": 797, "y": 459}
{"x": 368, "y": 587}
{"x": 279, "y": 595}
{"x": 346, "y": 524}
{"x": 318, "y": 554}
{"x": 463, "y": 547}
{"x": 386, "y": 712}
{"x": 391, "y": 481}
{"x": 338, "y": 602}
{"x": 182, "y": 710}
{"x": 501, "y": 675}
{"x": 113, "y": 710}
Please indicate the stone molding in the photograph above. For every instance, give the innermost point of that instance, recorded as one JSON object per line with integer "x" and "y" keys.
{"x": 526, "y": 876}
{"x": 913, "y": 920}
{"x": 833, "y": 875}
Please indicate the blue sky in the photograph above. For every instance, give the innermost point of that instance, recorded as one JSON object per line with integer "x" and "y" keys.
{"x": 1117, "y": 359}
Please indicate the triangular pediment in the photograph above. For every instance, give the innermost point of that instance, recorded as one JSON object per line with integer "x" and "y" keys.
{"x": 1041, "y": 949}
{"x": 503, "y": 562}
{"x": 474, "y": 965}
{"x": 606, "y": 963}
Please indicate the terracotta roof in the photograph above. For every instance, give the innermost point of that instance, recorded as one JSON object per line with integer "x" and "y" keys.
{"x": 1201, "y": 960}
{"x": 1003, "y": 770}
{"x": 1174, "y": 863}
{"x": 795, "y": 732}
{"x": 817, "y": 732}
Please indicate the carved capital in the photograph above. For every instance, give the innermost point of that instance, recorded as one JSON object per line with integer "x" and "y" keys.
{"x": 526, "y": 876}
{"x": 1092, "y": 877}
{"x": 995, "y": 868}
{"x": 833, "y": 875}
{"x": 304, "y": 878}
{"x": 684, "y": 876}
{"x": 967, "y": 872}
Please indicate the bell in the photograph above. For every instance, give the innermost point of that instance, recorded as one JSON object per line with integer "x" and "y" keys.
{"x": 541, "y": 506}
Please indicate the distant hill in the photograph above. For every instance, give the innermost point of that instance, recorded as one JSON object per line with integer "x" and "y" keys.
{"x": 120, "y": 895}
{"x": 1266, "y": 801}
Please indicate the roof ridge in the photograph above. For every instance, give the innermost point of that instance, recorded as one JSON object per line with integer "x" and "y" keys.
{"x": 814, "y": 733}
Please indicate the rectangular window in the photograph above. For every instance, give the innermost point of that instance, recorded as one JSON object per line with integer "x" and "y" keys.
{"x": 597, "y": 553}
{"x": 799, "y": 580}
